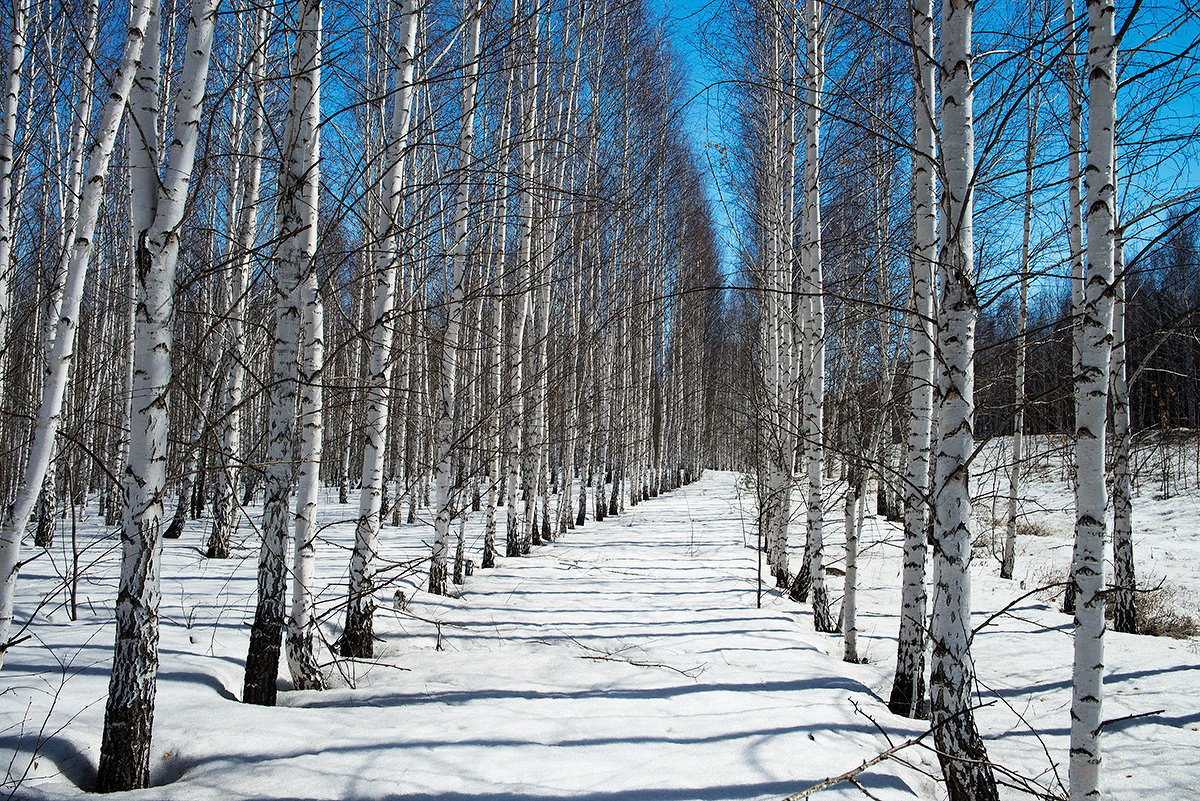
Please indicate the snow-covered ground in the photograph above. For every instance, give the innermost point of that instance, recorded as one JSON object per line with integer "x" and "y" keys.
{"x": 626, "y": 662}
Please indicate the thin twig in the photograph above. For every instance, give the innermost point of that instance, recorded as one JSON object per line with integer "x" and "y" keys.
{"x": 691, "y": 673}
{"x": 849, "y": 776}
{"x": 1131, "y": 717}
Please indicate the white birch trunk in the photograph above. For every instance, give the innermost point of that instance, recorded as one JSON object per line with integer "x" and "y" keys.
{"x": 299, "y": 181}
{"x": 302, "y": 624}
{"x": 1075, "y": 204}
{"x": 357, "y": 641}
{"x": 812, "y": 574}
{"x": 129, "y": 712}
{"x": 960, "y": 749}
{"x": 908, "y": 686}
{"x": 1008, "y": 559}
{"x": 495, "y": 419}
{"x": 1124, "y": 578}
{"x": 59, "y": 360}
{"x": 853, "y": 504}
{"x": 1091, "y": 404}
{"x": 515, "y": 545}
{"x": 458, "y": 268}
{"x": 8, "y": 132}
{"x": 225, "y": 500}
{"x": 69, "y": 191}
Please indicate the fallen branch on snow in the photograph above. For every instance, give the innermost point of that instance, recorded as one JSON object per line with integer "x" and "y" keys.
{"x": 691, "y": 673}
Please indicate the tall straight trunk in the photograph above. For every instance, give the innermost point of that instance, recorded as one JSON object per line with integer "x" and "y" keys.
{"x": 397, "y": 469}
{"x": 812, "y": 574}
{"x": 556, "y": 163}
{"x": 8, "y": 132}
{"x": 129, "y": 712}
{"x": 791, "y": 335}
{"x": 407, "y": 383}
{"x": 69, "y": 197}
{"x": 571, "y": 424}
{"x": 961, "y": 751}
{"x": 616, "y": 421}
{"x": 522, "y": 289}
{"x": 225, "y": 499}
{"x": 1124, "y": 578}
{"x": 70, "y": 191}
{"x": 58, "y": 363}
{"x": 772, "y": 494}
{"x": 126, "y": 345}
{"x": 587, "y": 382}
{"x": 301, "y": 623}
{"x": 908, "y": 685}
{"x": 854, "y": 499}
{"x": 603, "y": 429}
{"x": 1075, "y": 204}
{"x": 458, "y": 269}
{"x": 353, "y": 371}
{"x": 206, "y": 381}
{"x": 495, "y": 417}
{"x": 358, "y": 638}
{"x": 1091, "y": 403}
{"x": 299, "y": 181}
{"x": 1008, "y": 559}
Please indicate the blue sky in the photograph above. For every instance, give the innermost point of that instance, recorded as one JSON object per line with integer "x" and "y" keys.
{"x": 682, "y": 20}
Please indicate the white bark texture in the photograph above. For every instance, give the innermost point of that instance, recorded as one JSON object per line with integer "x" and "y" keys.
{"x": 851, "y": 517}
{"x": 1091, "y": 404}
{"x": 299, "y": 180}
{"x": 458, "y": 269}
{"x": 812, "y": 574}
{"x": 1124, "y": 576}
{"x": 225, "y": 500}
{"x": 357, "y": 641}
{"x": 16, "y": 517}
{"x": 302, "y": 625}
{"x": 515, "y": 544}
{"x": 129, "y": 712}
{"x": 8, "y": 131}
{"x": 908, "y": 686}
{"x": 960, "y": 749}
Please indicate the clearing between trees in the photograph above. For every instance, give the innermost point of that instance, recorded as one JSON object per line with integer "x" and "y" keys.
{"x": 626, "y": 661}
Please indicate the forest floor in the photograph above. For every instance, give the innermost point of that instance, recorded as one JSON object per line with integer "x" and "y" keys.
{"x": 627, "y": 661}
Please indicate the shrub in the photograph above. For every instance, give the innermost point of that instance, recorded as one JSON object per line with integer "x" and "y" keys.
{"x": 1161, "y": 612}
{"x": 1033, "y": 528}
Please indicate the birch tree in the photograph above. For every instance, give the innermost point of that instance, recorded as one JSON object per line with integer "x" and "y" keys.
{"x": 16, "y": 517}
{"x": 1032, "y": 109}
{"x": 1091, "y": 403}
{"x": 960, "y": 749}
{"x": 302, "y": 624}
{"x": 1124, "y": 576}
{"x": 521, "y": 284}
{"x": 1075, "y": 207}
{"x": 299, "y": 183}
{"x": 908, "y": 686}
{"x": 812, "y": 574}
{"x": 357, "y": 638}
{"x": 9, "y": 113}
{"x": 224, "y": 507}
{"x": 129, "y": 713}
{"x": 472, "y": 12}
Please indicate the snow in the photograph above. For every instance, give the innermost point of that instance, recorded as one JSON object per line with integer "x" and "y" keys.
{"x": 625, "y": 662}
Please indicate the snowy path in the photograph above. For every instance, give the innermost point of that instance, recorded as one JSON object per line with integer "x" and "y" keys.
{"x": 626, "y": 662}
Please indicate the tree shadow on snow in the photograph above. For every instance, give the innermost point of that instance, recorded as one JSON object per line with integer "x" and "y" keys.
{"x": 714, "y": 792}
{"x": 75, "y": 765}
{"x": 459, "y": 697}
